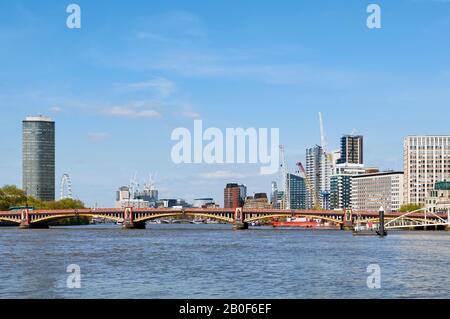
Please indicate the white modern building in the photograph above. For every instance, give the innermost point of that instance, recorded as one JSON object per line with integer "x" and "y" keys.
{"x": 426, "y": 162}
{"x": 370, "y": 191}
{"x": 125, "y": 199}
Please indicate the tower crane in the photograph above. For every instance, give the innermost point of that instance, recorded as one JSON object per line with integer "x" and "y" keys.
{"x": 285, "y": 178}
{"x": 309, "y": 186}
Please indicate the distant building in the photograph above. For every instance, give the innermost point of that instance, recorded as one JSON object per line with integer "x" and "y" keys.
{"x": 149, "y": 195}
{"x": 203, "y": 202}
{"x": 298, "y": 192}
{"x": 125, "y": 199}
{"x": 314, "y": 162}
{"x": 259, "y": 201}
{"x": 38, "y": 157}
{"x": 341, "y": 184}
{"x": 340, "y": 191}
{"x": 352, "y": 149}
{"x": 242, "y": 192}
{"x": 438, "y": 200}
{"x": 370, "y": 191}
{"x": 280, "y": 203}
{"x": 274, "y": 195}
{"x": 233, "y": 196}
{"x": 426, "y": 162}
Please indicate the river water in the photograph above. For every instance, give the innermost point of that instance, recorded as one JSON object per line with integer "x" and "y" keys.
{"x": 212, "y": 261}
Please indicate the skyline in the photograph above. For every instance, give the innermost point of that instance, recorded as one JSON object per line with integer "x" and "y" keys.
{"x": 114, "y": 88}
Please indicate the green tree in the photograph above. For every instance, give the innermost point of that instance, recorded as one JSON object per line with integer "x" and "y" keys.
{"x": 410, "y": 208}
{"x": 10, "y": 196}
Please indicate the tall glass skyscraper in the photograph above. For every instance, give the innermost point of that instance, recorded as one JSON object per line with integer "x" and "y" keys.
{"x": 38, "y": 157}
{"x": 297, "y": 191}
{"x": 352, "y": 151}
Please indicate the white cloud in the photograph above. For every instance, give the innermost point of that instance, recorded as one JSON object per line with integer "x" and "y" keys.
{"x": 162, "y": 86}
{"x": 190, "y": 114}
{"x": 98, "y": 137}
{"x": 222, "y": 174}
{"x": 131, "y": 112}
{"x": 55, "y": 109}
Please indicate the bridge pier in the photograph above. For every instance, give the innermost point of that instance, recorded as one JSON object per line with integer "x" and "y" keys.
{"x": 128, "y": 220}
{"x": 348, "y": 220}
{"x": 33, "y": 226}
{"x": 239, "y": 220}
{"x": 25, "y": 222}
{"x": 240, "y": 226}
{"x": 133, "y": 225}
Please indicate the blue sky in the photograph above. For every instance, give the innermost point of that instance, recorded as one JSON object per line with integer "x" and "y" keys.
{"x": 135, "y": 71}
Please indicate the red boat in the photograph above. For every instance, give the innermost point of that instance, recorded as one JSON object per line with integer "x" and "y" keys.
{"x": 303, "y": 223}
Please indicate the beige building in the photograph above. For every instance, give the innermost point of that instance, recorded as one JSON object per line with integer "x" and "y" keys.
{"x": 426, "y": 162}
{"x": 438, "y": 200}
{"x": 259, "y": 201}
{"x": 372, "y": 191}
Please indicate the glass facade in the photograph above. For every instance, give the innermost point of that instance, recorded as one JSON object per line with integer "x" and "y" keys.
{"x": 352, "y": 150}
{"x": 38, "y": 161}
{"x": 297, "y": 191}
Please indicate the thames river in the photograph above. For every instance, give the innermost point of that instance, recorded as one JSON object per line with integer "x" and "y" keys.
{"x": 212, "y": 261}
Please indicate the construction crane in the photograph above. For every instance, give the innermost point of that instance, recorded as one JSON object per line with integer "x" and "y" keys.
{"x": 309, "y": 186}
{"x": 285, "y": 178}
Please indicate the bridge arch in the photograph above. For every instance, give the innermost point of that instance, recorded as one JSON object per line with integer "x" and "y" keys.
{"x": 9, "y": 220}
{"x": 262, "y": 217}
{"x": 48, "y": 219}
{"x": 178, "y": 214}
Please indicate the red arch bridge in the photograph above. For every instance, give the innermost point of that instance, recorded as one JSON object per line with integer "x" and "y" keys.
{"x": 239, "y": 217}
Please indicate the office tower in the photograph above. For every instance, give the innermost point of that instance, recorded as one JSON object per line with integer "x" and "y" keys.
{"x": 340, "y": 191}
{"x": 371, "y": 191}
{"x": 242, "y": 193}
{"x": 297, "y": 192}
{"x": 426, "y": 162}
{"x": 38, "y": 157}
{"x": 232, "y": 196}
{"x": 352, "y": 149}
{"x": 274, "y": 195}
{"x": 314, "y": 173}
{"x": 329, "y": 161}
{"x": 125, "y": 199}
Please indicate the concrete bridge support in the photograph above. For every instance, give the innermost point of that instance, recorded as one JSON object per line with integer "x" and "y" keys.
{"x": 128, "y": 220}
{"x": 239, "y": 220}
{"x": 240, "y": 226}
{"x": 348, "y": 220}
{"x": 33, "y": 226}
{"x": 133, "y": 225}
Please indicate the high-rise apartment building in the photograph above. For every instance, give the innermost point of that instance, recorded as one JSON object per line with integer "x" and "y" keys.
{"x": 232, "y": 196}
{"x": 352, "y": 149}
{"x": 297, "y": 188}
{"x": 341, "y": 191}
{"x": 38, "y": 157}
{"x": 372, "y": 191}
{"x": 314, "y": 162}
{"x": 426, "y": 162}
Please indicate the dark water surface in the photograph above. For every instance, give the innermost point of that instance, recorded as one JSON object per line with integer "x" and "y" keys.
{"x": 212, "y": 261}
